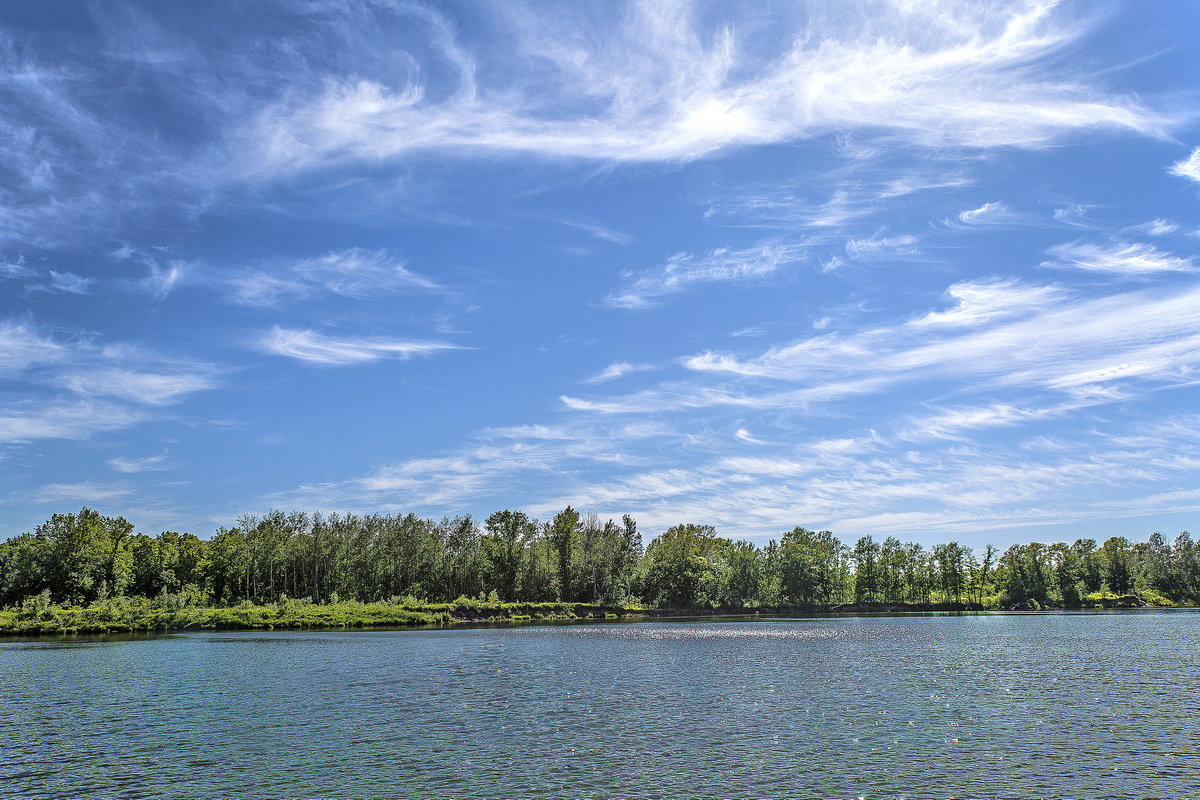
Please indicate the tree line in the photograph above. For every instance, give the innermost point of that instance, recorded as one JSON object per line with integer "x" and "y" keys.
{"x": 86, "y": 556}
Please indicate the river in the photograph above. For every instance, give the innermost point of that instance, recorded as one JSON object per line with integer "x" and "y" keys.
{"x": 1095, "y": 705}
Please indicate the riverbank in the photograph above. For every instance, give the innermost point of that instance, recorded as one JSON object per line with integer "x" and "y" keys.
{"x": 133, "y": 615}
{"x": 130, "y": 615}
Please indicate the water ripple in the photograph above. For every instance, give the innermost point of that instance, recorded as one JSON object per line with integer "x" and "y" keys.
{"x": 996, "y": 706}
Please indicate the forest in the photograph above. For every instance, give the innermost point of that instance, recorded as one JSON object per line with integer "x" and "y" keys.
{"x": 81, "y": 558}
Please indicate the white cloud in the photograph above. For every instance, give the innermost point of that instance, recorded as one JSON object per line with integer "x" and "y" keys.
{"x": 483, "y": 470}
{"x": 156, "y": 463}
{"x": 984, "y": 301}
{"x": 355, "y": 272}
{"x": 264, "y": 289}
{"x": 161, "y": 279}
{"x": 1121, "y": 258}
{"x": 1082, "y": 347}
{"x": 85, "y": 492}
{"x": 30, "y": 420}
{"x": 1074, "y": 216}
{"x": 860, "y": 192}
{"x": 954, "y": 423}
{"x": 986, "y": 213}
{"x": 70, "y": 282}
{"x": 616, "y": 370}
{"x": 1188, "y": 167}
{"x": 359, "y": 272}
{"x": 743, "y": 435}
{"x": 1157, "y": 227}
{"x": 56, "y": 384}
{"x": 15, "y": 270}
{"x": 137, "y": 385}
{"x": 21, "y": 348}
{"x": 600, "y": 232}
{"x": 668, "y": 82}
{"x": 951, "y": 489}
{"x": 989, "y": 215}
{"x": 316, "y": 348}
{"x": 881, "y": 248}
{"x": 684, "y": 270}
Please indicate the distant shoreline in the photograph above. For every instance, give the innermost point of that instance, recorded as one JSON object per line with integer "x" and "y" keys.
{"x": 138, "y": 615}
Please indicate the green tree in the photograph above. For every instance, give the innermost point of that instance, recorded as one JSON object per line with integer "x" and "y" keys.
{"x": 675, "y": 565}
{"x": 504, "y": 545}
{"x": 866, "y": 570}
{"x": 811, "y": 566}
{"x": 87, "y": 556}
{"x": 1118, "y": 565}
{"x": 563, "y": 535}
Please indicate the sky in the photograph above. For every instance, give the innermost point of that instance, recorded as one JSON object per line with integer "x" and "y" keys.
{"x": 922, "y": 269}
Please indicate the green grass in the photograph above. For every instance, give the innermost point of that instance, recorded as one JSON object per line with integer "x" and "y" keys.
{"x": 1148, "y": 596}
{"x": 128, "y": 615}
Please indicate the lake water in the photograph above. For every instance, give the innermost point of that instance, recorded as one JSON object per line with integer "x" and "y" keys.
{"x": 998, "y": 706}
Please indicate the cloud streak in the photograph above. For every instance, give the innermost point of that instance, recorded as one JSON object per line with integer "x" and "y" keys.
{"x": 131, "y": 466}
{"x": 671, "y": 83}
{"x": 1080, "y": 346}
{"x": 73, "y": 388}
{"x": 323, "y": 350}
{"x": 1189, "y": 167}
{"x": 683, "y": 271}
{"x": 357, "y": 273}
{"x": 1121, "y": 258}
{"x": 618, "y": 369}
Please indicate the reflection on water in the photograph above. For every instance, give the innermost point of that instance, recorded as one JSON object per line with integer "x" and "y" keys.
{"x": 1082, "y": 705}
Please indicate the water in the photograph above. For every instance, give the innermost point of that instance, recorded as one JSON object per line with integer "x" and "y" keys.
{"x": 996, "y": 706}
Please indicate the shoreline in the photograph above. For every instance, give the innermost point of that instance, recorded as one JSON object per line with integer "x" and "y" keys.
{"x": 142, "y": 616}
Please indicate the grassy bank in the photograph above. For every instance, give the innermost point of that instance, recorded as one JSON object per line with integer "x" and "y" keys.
{"x": 135, "y": 614}
{"x": 128, "y": 615}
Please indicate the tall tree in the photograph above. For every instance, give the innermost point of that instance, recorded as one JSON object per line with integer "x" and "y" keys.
{"x": 504, "y": 545}
{"x": 563, "y": 535}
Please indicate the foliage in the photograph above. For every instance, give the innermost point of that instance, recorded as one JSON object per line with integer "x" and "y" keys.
{"x": 86, "y": 570}
{"x": 135, "y": 614}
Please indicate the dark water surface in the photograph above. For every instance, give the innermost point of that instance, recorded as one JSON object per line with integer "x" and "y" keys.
{"x": 997, "y": 706}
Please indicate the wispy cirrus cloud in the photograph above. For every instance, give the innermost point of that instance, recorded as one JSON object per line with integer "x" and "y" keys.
{"x": 132, "y": 466}
{"x": 1157, "y": 227}
{"x": 22, "y": 347}
{"x": 1121, "y": 258}
{"x": 1075, "y": 216}
{"x": 987, "y": 216}
{"x": 84, "y": 492}
{"x": 990, "y": 300}
{"x": 618, "y": 369}
{"x": 869, "y": 484}
{"x": 151, "y": 385}
{"x": 160, "y": 279}
{"x": 961, "y": 421}
{"x": 73, "y": 387}
{"x": 673, "y": 82}
{"x": 861, "y": 190}
{"x": 29, "y": 420}
{"x": 880, "y": 247}
{"x": 682, "y": 271}
{"x": 1075, "y": 345}
{"x": 1188, "y": 167}
{"x": 356, "y": 272}
{"x": 658, "y": 83}
{"x": 325, "y": 350}
{"x": 598, "y": 231}
{"x": 69, "y": 282}
{"x": 479, "y": 471}
{"x": 15, "y": 269}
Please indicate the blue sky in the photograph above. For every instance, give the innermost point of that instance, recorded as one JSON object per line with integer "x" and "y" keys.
{"x": 914, "y": 269}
